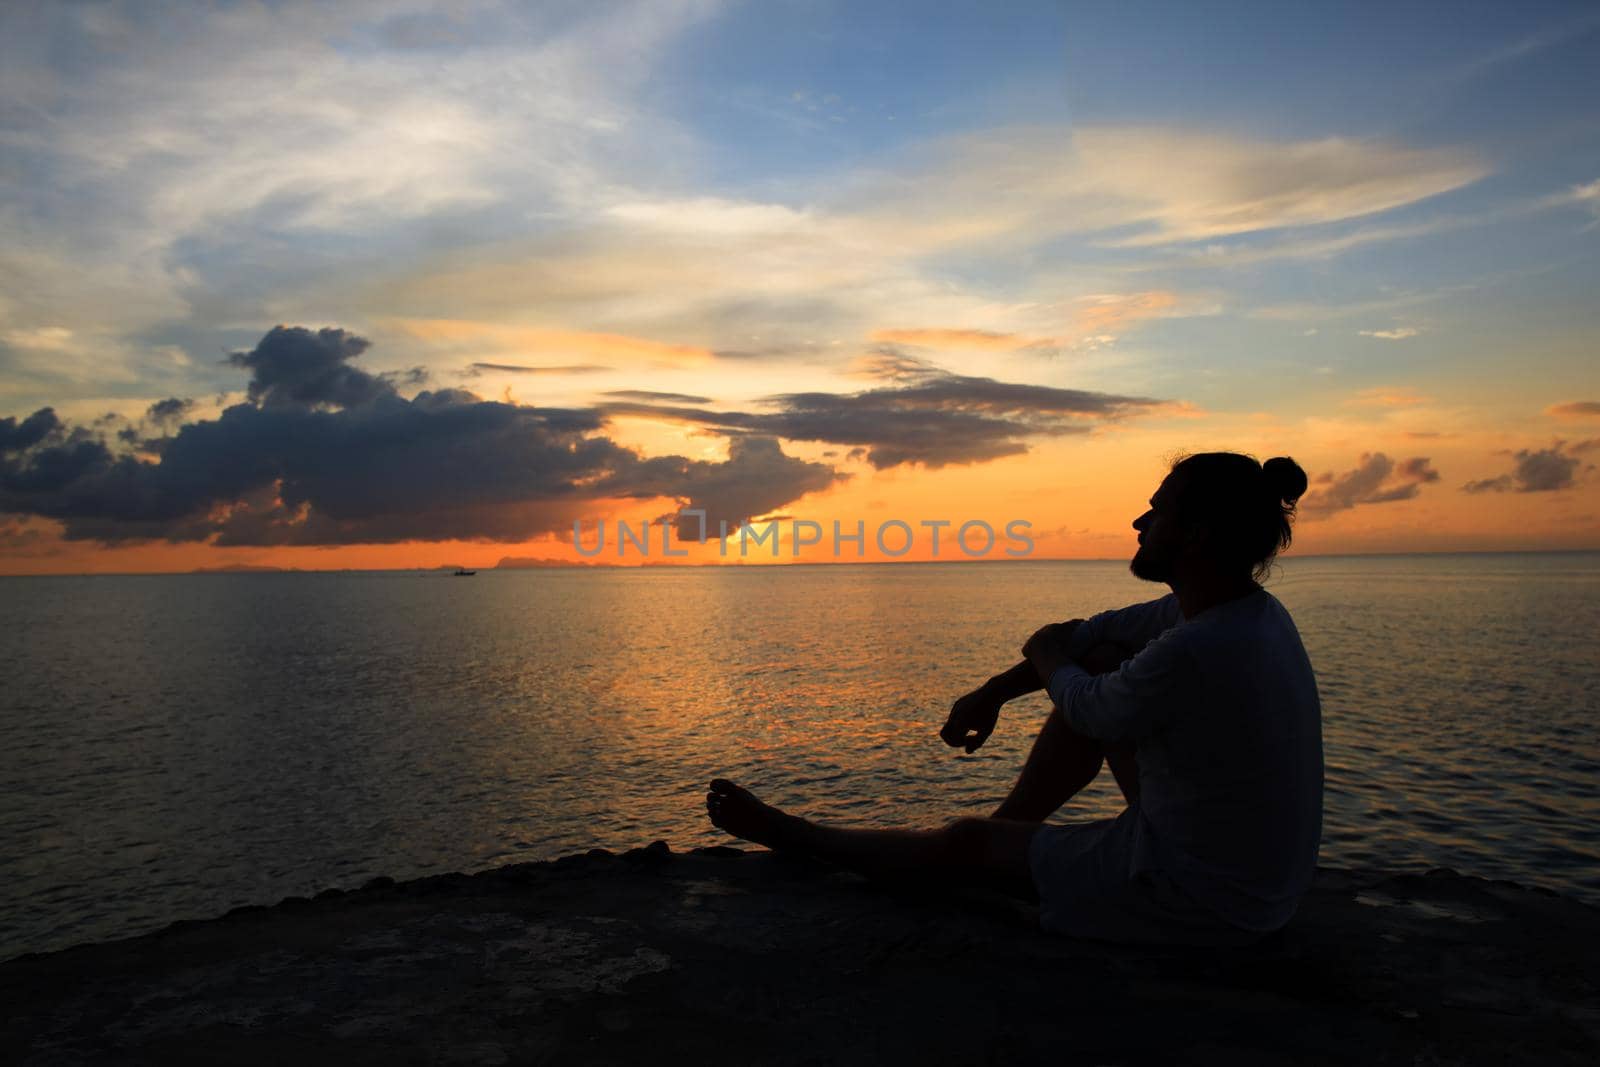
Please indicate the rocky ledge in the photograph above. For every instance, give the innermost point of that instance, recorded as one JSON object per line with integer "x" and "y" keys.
{"x": 755, "y": 958}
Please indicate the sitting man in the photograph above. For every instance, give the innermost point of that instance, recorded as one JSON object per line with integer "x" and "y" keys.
{"x": 1203, "y": 703}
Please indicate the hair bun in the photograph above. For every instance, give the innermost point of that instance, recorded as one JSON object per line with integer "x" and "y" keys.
{"x": 1285, "y": 479}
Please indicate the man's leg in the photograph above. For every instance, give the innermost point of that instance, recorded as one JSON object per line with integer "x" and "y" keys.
{"x": 1063, "y": 761}
{"x": 1060, "y": 764}
{"x": 992, "y": 853}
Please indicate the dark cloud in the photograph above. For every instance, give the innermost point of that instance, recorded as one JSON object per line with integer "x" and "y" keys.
{"x": 1376, "y": 480}
{"x": 324, "y": 453}
{"x": 892, "y": 363}
{"x": 1501, "y": 484}
{"x": 647, "y": 396}
{"x": 16, "y": 536}
{"x": 294, "y": 368}
{"x": 16, "y": 436}
{"x": 773, "y": 352}
{"x": 171, "y": 410}
{"x": 936, "y": 420}
{"x": 756, "y": 479}
{"x": 475, "y": 369}
{"x": 1535, "y": 471}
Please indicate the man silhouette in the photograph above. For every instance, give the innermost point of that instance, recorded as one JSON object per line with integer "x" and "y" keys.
{"x": 1202, "y": 702}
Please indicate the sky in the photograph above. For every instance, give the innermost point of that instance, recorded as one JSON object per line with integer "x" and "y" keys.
{"x": 414, "y": 285}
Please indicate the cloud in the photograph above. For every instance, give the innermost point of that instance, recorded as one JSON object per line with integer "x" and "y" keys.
{"x": 931, "y": 417}
{"x": 1110, "y": 313}
{"x": 169, "y": 411}
{"x": 1586, "y": 195}
{"x": 475, "y": 370}
{"x": 756, "y": 479}
{"x": 1187, "y": 186}
{"x": 17, "y": 436}
{"x": 1097, "y": 318}
{"x": 650, "y": 396}
{"x": 324, "y": 453}
{"x": 944, "y": 337}
{"x": 712, "y": 216}
{"x": 293, "y": 367}
{"x": 1575, "y": 409}
{"x": 191, "y": 169}
{"x": 1398, "y": 333}
{"x": 887, "y": 362}
{"x": 1321, "y": 245}
{"x": 1376, "y": 479}
{"x": 1388, "y": 397}
{"x": 455, "y": 335}
{"x": 790, "y": 275}
{"x": 1543, "y": 470}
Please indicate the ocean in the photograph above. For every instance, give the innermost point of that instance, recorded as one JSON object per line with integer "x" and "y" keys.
{"x": 174, "y": 746}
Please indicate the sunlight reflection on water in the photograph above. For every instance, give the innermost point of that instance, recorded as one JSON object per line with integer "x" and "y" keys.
{"x": 174, "y": 746}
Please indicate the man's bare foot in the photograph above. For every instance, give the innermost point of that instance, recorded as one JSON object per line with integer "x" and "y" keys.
{"x": 737, "y": 811}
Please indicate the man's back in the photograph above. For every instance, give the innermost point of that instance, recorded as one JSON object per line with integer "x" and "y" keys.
{"x": 1231, "y": 787}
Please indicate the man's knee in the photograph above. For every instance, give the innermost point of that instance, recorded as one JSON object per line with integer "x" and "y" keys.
{"x": 994, "y": 852}
{"x": 976, "y": 842}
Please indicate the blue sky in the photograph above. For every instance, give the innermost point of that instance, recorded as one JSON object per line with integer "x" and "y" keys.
{"x": 1345, "y": 228}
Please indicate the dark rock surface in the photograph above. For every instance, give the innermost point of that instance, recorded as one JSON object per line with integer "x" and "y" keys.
{"x": 734, "y": 958}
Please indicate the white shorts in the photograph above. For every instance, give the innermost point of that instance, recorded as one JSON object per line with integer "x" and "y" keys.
{"x": 1086, "y": 889}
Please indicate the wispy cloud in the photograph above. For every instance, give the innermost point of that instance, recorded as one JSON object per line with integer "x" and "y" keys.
{"x": 1585, "y": 195}
{"x": 1396, "y": 333}
{"x": 951, "y": 337}
{"x": 650, "y": 396}
{"x": 1574, "y": 409}
{"x": 1143, "y": 186}
{"x": 1530, "y": 44}
{"x": 1388, "y": 397}
{"x": 452, "y": 335}
{"x": 929, "y": 417}
{"x": 475, "y": 370}
{"x": 192, "y": 170}
{"x": 1194, "y": 187}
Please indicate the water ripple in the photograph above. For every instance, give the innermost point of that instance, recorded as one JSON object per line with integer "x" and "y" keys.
{"x": 176, "y": 746}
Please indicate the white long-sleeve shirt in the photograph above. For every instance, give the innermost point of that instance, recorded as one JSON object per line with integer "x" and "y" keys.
{"x": 1224, "y": 710}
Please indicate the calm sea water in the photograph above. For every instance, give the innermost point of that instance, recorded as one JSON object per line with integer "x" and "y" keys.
{"x": 173, "y": 746}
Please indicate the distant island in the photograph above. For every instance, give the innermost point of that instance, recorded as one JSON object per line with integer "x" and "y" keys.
{"x": 244, "y": 568}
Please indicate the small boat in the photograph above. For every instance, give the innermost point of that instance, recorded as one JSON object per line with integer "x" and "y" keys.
{"x": 462, "y": 572}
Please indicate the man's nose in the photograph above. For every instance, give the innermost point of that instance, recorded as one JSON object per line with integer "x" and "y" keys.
{"x": 1139, "y": 523}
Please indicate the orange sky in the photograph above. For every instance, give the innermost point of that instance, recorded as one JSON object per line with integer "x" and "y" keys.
{"x": 943, "y": 283}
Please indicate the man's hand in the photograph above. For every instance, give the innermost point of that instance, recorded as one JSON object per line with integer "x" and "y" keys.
{"x": 972, "y": 720}
{"x": 1046, "y": 650}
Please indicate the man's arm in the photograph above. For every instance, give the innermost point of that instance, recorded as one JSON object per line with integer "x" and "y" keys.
{"x": 1016, "y": 682}
{"x": 1132, "y": 627}
{"x": 1126, "y": 699}
{"x": 973, "y": 717}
